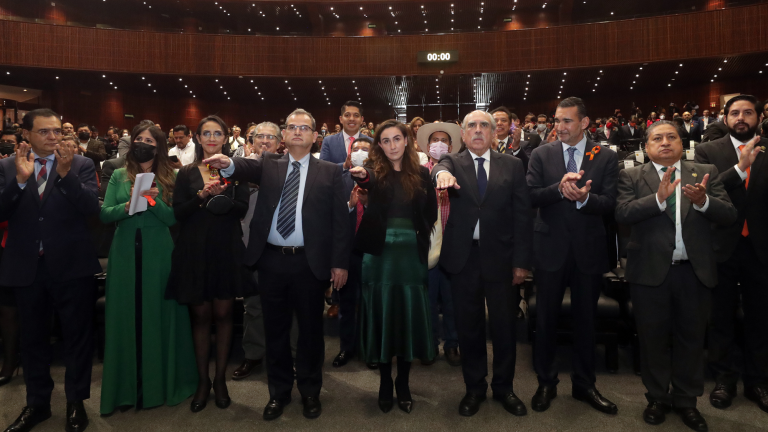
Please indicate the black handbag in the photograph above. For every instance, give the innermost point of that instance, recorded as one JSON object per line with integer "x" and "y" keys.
{"x": 222, "y": 204}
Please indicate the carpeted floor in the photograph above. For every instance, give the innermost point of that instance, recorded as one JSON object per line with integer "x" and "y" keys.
{"x": 349, "y": 404}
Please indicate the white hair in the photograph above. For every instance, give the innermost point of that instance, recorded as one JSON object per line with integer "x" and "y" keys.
{"x": 491, "y": 120}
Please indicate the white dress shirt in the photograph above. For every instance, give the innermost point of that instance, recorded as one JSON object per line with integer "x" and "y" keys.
{"x": 687, "y": 126}
{"x": 578, "y": 156}
{"x": 487, "y": 166}
{"x": 736, "y": 144}
{"x": 297, "y": 237}
{"x": 346, "y": 139}
{"x": 679, "y": 253}
{"x": 186, "y": 155}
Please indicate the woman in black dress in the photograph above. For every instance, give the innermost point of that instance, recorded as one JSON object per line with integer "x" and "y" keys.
{"x": 207, "y": 270}
{"x": 394, "y": 236}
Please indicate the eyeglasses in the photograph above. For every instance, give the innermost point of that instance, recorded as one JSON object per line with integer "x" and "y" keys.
{"x": 302, "y": 128}
{"x": 442, "y": 140}
{"x": 216, "y": 135}
{"x": 271, "y": 137}
{"x": 483, "y": 125}
{"x": 44, "y": 132}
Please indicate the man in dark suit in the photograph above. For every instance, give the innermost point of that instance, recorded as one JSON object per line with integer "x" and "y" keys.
{"x": 336, "y": 148}
{"x": 299, "y": 240}
{"x": 609, "y": 133}
{"x": 715, "y": 131}
{"x": 742, "y": 255}
{"x": 509, "y": 140}
{"x": 47, "y": 196}
{"x": 91, "y": 148}
{"x": 671, "y": 267}
{"x": 630, "y": 130}
{"x": 486, "y": 250}
{"x": 705, "y": 120}
{"x": 573, "y": 183}
{"x": 107, "y": 170}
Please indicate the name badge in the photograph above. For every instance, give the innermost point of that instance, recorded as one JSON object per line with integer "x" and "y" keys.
{"x": 629, "y": 164}
{"x": 689, "y": 154}
{"x": 614, "y": 148}
{"x": 639, "y": 157}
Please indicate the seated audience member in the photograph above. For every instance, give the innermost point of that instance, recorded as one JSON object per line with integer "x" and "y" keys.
{"x": 149, "y": 358}
{"x": 671, "y": 281}
{"x": 183, "y": 150}
{"x": 438, "y": 139}
{"x": 631, "y": 129}
{"x": 207, "y": 269}
{"x": 609, "y": 133}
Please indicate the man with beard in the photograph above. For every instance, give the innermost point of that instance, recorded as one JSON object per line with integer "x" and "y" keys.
{"x": 742, "y": 249}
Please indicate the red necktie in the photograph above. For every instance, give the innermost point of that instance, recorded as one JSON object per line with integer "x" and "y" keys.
{"x": 745, "y": 230}
{"x": 351, "y": 140}
{"x": 42, "y": 177}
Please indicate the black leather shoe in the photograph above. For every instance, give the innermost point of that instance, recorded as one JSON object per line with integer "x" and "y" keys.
{"x": 312, "y": 407}
{"x": 470, "y": 404}
{"x": 385, "y": 405}
{"x": 29, "y": 418}
{"x": 693, "y": 419}
{"x": 77, "y": 418}
{"x": 223, "y": 402}
{"x": 245, "y": 369}
{"x": 372, "y": 365}
{"x": 453, "y": 356}
{"x": 596, "y": 400}
{"x": 543, "y": 396}
{"x": 342, "y": 358}
{"x": 197, "y": 406}
{"x": 512, "y": 404}
{"x": 274, "y": 408}
{"x": 722, "y": 396}
{"x": 656, "y": 413}
{"x": 759, "y": 395}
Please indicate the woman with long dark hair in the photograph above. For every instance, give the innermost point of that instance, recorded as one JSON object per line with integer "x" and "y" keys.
{"x": 148, "y": 355}
{"x": 394, "y": 236}
{"x": 207, "y": 270}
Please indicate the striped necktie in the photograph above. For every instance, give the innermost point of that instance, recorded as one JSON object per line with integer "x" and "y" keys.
{"x": 42, "y": 176}
{"x": 286, "y": 219}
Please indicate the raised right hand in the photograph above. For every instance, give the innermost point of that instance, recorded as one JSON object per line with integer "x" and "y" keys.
{"x": 749, "y": 154}
{"x": 665, "y": 187}
{"x": 218, "y": 161}
{"x": 446, "y": 180}
{"x": 25, "y": 163}
{"x": 348, "y": 161}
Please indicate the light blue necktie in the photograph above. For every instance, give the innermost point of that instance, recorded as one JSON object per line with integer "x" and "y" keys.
{"x": 572, "y": 168}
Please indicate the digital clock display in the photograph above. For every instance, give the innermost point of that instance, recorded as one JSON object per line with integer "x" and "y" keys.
{"x": 438, "y": 56}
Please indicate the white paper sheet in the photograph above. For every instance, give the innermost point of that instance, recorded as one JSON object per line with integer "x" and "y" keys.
{"x": 629, "y": 164}
{"x": 139, "y": 203}
{"x": 639, "y": 157}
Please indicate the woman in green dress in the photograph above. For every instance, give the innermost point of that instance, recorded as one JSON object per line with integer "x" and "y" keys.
{"x": 149, "y": 359}
{"x": 394, "y": 236}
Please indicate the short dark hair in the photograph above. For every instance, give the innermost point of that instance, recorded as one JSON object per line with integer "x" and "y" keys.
{"x": 743, "y": 97}
{"x": 10, "y": 131}
{"x": 350, "y": 103}
{"x": 83, "y": 125}
{"x": 513, "y": 117}
{"x": 542, "y": 115}
{"x": 503, "y": 109}
{"x": 181, "y": 128}
{"x": 650, "y": 129}
{"x": 29, "y": 119}
{"x": 94, "y": 129}
{"x": 571, "y": 102}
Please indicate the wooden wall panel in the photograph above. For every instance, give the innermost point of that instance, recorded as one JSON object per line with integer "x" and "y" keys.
{"x": 727, "y": 32}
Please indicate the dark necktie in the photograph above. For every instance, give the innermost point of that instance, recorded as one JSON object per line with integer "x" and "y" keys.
{"x": 672, "y": 199}
{"x": 482, "y": 177}
{"x": 42, "y": 177}
{"x": 572, "y": 168}
{"x": 286, "y": 219}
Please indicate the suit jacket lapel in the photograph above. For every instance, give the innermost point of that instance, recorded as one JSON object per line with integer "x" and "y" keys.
{"x": 586, "y": 163}
{"x": 312, "y": 170}
{"x": 282, "y": 172}
{"x": 730, "y": 151}
{"x": 52, "y": 177}
{"x": 493, "y": 180}
{"x": 688, "y": 178}
{"x": 468, "y": 165}
{"x": 652, "y": 179}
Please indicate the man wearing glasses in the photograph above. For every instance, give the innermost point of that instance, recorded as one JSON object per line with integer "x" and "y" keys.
{"x": 486, "y": 250}
{"x": 299, "y": 240}
{"x": 47, "y": 196}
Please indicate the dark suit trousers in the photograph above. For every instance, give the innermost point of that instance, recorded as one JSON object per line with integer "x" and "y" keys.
{"x": 741, "y": 282}
{"x": 287, "y": 285}
{"x": 671, "y": 324}
{"x": 74, "y": 302}
{"x": 470, "y": 295}
{"x": 550, "y": 289}
{"x": 348, "y": 299}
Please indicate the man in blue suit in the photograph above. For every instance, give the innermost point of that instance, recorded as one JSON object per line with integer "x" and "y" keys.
{"x": 47, "y": 194}
{"x": 336, "y": 147}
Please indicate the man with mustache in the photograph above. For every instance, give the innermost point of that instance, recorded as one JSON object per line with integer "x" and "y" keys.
{"x": 742, "y": 258}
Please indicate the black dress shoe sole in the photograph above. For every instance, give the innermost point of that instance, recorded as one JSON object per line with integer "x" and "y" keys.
{"x": 541, "y": 407}
{"x": 602, "y": 409}
{"x": 69, "y": 428}
{"x": 470, "y": 412}
{"x": 312, "y": 415}
{"x": 519, "y": 410}
{"x": 655, "y": 422}
{"x": 720, "y": 403}
{"x": 239, "y": 377}
{"x": 340, "y": 364}
{"x": 42, "y": 418}
{"x": 386, "y": 406}
{"x": 223, "y": 403}
{"x": 272, "y": 415}
{"x": 756, "y": 400}
{"x": 196, "y": 407}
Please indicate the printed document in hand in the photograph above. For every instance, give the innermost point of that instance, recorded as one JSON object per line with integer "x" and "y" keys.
{"x": 143, "y": 183}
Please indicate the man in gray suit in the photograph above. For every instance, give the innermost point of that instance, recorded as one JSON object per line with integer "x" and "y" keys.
{"x": 671, "y": 268}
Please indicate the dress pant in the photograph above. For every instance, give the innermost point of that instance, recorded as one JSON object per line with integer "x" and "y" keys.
{"x": 440, "y": 293}
{"x": 74, "y": 302}
{"x": 671, "y": 324}
{"x": 585, "y": 291}
{"x": 471, "y": 293}
{"x": 348, "y": 298}
{"x": 254, "y": 343}
{"x": 742, "y": 281}
{"x": 288, "y": 286}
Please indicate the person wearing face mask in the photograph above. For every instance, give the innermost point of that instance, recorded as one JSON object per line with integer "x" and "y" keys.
{"x": 631, "y": 130}
{"x": 610, "y": 133}
{"x": 346, "y": 299}
{"x": 91, "y": 148}
{"x": 149, "y": 358}
{"x": 394, "y": 236}
{"x": 336, "y": 148}
{"x": 437, "y": 140}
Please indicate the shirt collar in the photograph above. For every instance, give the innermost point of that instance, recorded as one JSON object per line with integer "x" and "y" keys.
{"x": 659, "y": 167}
{"x": 50, "y": 158}
{"x": 303, "y": 161}
{"x": 346, "y": 137}
{"x": 580, "y": 147}
{"x": 737, "y": 143}
{"x": 486, "y": 155}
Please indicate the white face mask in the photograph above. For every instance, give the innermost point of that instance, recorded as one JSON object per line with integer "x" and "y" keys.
{"x": 541, "y": 127}
{"x": 358, "y": 157}
{"x": 661, "y": 117}
{"x": 125, "y": 134}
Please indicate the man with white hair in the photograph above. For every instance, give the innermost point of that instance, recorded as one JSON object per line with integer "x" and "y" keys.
{"x": 486, "y": 249}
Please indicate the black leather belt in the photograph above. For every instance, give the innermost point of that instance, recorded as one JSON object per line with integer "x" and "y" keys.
{"x": 475, "y": 242}
{"x": 286, "y": 250}
{"x": 679, "y": 262}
